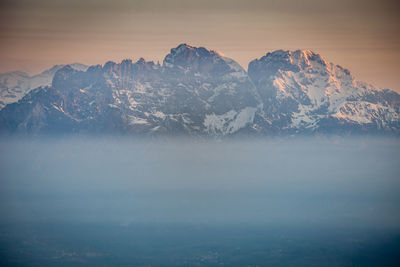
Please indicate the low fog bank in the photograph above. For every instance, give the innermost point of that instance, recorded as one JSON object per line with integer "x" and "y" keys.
{"x": 309, "y": 181}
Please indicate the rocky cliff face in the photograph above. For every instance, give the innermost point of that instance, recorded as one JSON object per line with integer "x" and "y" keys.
{"x": 200, "y": 92}
{"x": 15, "y": 85}
{"x": 302, "y": 92}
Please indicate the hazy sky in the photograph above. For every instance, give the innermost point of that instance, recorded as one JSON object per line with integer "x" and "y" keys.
{"x": 361, "y": 35}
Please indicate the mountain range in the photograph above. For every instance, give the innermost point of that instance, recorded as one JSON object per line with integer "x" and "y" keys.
{"x": 200, "y": 92}
{"x": 16, "y": 84}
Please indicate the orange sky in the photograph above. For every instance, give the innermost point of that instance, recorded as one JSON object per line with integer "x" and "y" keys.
{"x": 363, "y": 36}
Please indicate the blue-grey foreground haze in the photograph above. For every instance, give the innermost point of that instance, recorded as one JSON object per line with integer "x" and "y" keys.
{"x": 185, "y": 202}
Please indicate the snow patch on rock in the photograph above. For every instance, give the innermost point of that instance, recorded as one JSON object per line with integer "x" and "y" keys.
{"x": 229, "y": 122}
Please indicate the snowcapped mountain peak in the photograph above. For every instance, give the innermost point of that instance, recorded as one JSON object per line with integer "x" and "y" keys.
{"x": 312, "y": 91}
{"x": 79, "y": 66}
{"x": 63, "y": 73}
{"x": 297, "y": 60}
{"x": 14, "y": 85}
{"x": 200, "y": 61}
{"x": 182, "y": 47}
{"x": 309, "y": 59}
{"x": 185, "y": 55}
{"x": 200, "y": 91}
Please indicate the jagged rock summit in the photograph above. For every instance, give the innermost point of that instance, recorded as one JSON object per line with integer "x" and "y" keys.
{"x": 197, "y": 91}
{"x": 302, "y": 92}
{"x": 15, "y": 85}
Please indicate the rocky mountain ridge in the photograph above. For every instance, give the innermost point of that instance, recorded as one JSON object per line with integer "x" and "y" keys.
{"x": 16, "y": 84}
{"x": 200, "y": 92}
